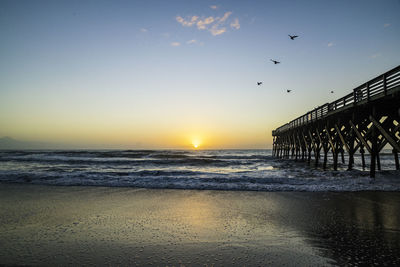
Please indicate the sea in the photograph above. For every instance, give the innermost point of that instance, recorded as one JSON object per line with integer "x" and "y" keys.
{"x": 255, "y": 170}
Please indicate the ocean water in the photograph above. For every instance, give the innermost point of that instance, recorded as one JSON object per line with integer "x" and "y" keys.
{"x": 190, "y": 169}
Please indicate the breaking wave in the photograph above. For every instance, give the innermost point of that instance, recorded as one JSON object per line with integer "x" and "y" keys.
{"x": 218, "y": 169}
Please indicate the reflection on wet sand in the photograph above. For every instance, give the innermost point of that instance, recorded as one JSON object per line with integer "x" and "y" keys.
{"x": 46, "y": 225}
{"x": 353, "y": 229}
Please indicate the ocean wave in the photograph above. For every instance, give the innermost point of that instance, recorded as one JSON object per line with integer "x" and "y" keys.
{"x": 158, "y": 160}
{"x": 384, "y": 182}
{"x": 222, "y": 170}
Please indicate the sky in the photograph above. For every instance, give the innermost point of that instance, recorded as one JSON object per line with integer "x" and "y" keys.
{"x": 174, "y": 74}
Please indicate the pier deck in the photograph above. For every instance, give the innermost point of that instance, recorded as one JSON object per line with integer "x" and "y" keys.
{"x": 366, "y": 120}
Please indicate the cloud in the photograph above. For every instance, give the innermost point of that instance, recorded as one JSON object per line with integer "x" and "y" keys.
{"x": 376, "y": 55}
{"x": 215, "y": 25}
{"x": 175, "y": 44}
{"x": 215, "y": 30}
{"x": 202, "y": 24}
{"x": 225, "y": 17}
{"x": 187, "y": 23}
{"x": 180, "y": 20}
{"x": 143, "y": 30}
{"x": 209, "y": 20}
{"x": 235, "y": 24}
{"x": 386, "y": 25}
{"x": 330, "y": 44}
{"x": 193, "y": 41}
{"x": 194, "y": 18}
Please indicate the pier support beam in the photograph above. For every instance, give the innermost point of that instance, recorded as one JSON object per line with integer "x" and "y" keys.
{"x": 396, "y": 158}
{"x": 374, "y": 147}
{"x": 378, "y": 161}
{"x": 351, "y": 145}
{"x": 362, "y": 151}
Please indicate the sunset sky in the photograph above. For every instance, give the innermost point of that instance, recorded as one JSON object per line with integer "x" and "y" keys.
{"x": 171, "y": 74}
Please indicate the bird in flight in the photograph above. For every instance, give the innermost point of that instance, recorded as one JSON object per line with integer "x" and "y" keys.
{"x": 259, "y": 83}
{"x": 332, "y": 92}
{"x": 275, "y": 62}
{"x": 293, "y": 36}
{"x": 288, "y": 91}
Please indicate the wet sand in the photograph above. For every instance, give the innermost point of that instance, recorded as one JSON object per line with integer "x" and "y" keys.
{"x": 59, "y": 225}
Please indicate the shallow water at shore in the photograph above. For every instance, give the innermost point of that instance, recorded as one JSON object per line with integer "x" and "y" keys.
{"x": 58, "y": 225}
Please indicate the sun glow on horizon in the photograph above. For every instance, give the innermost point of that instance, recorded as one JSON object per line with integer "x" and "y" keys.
{"x": 196, "y": 143}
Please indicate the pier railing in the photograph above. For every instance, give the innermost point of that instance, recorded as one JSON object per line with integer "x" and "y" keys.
{"x": 369, "y": 91}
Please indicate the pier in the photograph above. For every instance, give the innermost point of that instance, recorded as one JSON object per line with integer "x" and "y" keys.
{"x": 364, "y": 121}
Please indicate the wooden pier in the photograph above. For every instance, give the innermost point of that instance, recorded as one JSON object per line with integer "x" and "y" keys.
{"x": 364, "y": 121}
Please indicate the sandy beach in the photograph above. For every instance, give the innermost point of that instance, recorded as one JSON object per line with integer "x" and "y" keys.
{"x": 61, "y": 225}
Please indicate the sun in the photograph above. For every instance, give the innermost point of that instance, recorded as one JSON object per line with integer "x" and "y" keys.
{"x": 196, "y": 143}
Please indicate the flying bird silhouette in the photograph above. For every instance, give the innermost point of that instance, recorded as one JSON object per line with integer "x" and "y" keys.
{"x": 293, "y": 36}
{"x": 288, "y": 91}
{"x": 275, "y": 62}
{"x": 332, "y": 92}
{"x": 259, "y": 83}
